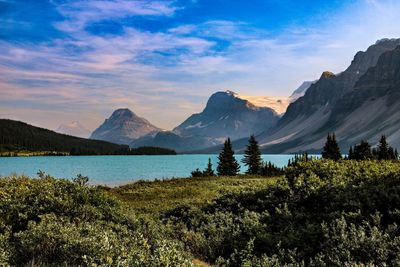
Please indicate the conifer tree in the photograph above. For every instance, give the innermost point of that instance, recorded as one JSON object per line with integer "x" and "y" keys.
{"x": 227, "y": 164}
{"x": 252, "y": 157}
{"x": 331, "y": 149}
{"x": 209, "y": 170}
{"x": 383, "y": 149}
{"x": 362, "y": 151}
{"x": 351, "y": 153}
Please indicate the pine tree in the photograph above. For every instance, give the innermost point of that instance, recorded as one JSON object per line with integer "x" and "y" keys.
{"x": 252, "y": 157}
{"x": 383, "y": 152}
{"x": 209, "y": 170}
{"x": 351, "y": 153}
{"x": 227, "y": 164}
{"x": 362, "y": 151}
{"x": 331, "y": 148}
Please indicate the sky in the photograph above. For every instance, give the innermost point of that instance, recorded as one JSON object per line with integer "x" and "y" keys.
{"x": 70, "y": 60}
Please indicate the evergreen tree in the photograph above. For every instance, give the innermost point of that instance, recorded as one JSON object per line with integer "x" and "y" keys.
{"x": 351, "y": 153}
{"x": 331, "y": 148}
{"x": 270, "y": 170}
{"x": 383, "y": 149}
{"x": 252, "y": 157}
{"x": 362, "y": 151}
{"x": 209, "y": 170}
{"x": 227, "y": 164}
{"x": 197, "y": 173}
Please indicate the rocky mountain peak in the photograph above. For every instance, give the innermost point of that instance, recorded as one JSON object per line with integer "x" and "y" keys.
{"x": 327, "y": 75}
{"x": 123, "y": 126}
{"x": 123, "y": 112}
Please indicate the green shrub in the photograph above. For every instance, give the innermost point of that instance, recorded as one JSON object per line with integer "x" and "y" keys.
{"x": 57, "y": 222}
{"x": 323, "y": 213}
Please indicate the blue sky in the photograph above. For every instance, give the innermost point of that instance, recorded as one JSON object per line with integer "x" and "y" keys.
{"x": 65, "y": 60}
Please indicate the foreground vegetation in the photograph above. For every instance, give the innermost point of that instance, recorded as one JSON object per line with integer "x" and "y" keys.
{"x": 320, "y": 213}
{"x": 154, "y": 198}
{"x": 50, "y": 222}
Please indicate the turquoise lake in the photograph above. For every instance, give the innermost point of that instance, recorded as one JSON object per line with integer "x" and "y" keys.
{"x": 117, "y": 170}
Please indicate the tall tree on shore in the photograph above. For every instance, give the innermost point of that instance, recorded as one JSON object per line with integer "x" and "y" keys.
{"x": 331, "y": 149}
{"x": 252, "y": 157}
{"x": 384, "y": 151}
{"x": 227, "y": 164}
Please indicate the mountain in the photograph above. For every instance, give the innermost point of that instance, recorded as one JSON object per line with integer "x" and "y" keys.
{"x": 307, "y": 121}
{"x": 299, "y": 92}
{"x": 123, "y": 127}
{"x": 372, "y": 108}
{"x": 16, "y": 135}
{"x": 73, "y": 128}
{"x": 227, "y": 115}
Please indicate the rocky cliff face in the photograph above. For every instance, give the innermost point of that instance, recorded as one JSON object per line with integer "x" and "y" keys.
{"x": 301, "y": 90}
{"x": 372, "y": 108}
{"x": 227, "y": 115}
{"x": 123, "y": 127}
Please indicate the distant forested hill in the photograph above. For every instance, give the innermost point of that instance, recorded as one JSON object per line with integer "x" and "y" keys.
{"x": 19, "y": 136}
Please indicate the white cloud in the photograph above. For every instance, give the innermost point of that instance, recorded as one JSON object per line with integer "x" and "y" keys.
{"x": 165, "y": 76}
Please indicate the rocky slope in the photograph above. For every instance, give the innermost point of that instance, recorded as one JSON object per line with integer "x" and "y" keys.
{"x": 73, "y": 128}
{"x": 336, "y": 103}
{"x": 227, "y": 115}
{"x": 123, "y": 127}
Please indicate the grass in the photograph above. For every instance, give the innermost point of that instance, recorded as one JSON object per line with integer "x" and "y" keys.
{"x": 26, "y": 153}
{"x": 151, "y": 198}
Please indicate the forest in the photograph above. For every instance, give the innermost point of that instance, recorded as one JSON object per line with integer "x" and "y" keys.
{"x": 19, "y": 138}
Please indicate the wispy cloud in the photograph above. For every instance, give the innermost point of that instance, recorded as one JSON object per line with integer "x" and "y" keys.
{"x": 167, "y": 73}
{"x": 78, "y": 14}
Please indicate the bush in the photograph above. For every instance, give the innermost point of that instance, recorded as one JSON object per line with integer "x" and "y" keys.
{"x": 57, "y": 222}
{"x": 323, "y": 213}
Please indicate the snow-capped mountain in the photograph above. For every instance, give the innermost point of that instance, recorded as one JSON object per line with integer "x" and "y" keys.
{"x": 73, "y": 128}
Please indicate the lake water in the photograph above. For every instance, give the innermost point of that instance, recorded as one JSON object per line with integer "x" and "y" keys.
{"x": 117, "y": 170}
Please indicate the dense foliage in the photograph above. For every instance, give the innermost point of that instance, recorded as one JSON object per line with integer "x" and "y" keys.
{"x": 208, "y": 171}
{"x": 57, "y": 222}
{"x": 323, "y": 213}
{"x": 17, "y": 137}
{"x": 363, "y": 151}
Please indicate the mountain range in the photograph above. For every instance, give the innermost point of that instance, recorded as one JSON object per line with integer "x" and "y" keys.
{"x": 226, "y": 114}
{"x": 358, "y": 103}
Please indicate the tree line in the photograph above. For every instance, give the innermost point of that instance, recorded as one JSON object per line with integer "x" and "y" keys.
{"x": 16, "y": 136}
{"x": 229, "y": 166}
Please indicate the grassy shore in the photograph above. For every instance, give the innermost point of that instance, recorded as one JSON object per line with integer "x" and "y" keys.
{"x": 155, "y": 197}
{"x": 25, "y": 153}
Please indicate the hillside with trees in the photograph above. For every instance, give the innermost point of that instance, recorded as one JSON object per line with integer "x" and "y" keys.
{"x": 19, "y": 136}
